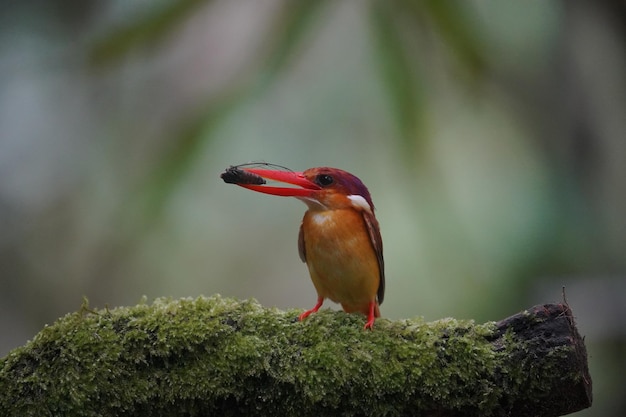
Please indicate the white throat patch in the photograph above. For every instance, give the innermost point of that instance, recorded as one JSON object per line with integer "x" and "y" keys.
{"x": 320, "y": 217}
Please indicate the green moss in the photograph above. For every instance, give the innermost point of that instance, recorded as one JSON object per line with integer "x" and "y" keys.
{"x": 226, "y": 357}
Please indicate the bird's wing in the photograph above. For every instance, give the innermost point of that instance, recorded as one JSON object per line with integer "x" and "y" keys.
{"x": 377, "y": 243}
{"x": 301, "y": 248}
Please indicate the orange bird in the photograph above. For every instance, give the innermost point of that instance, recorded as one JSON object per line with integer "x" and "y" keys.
{"x": 339, "y": 236}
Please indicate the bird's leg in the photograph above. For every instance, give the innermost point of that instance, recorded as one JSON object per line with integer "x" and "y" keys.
{"x": 371, "y": 316}
{"x": 306, "y": 314}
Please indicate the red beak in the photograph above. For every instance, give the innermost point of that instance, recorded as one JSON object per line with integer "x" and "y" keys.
{"x": 288, "y": 177}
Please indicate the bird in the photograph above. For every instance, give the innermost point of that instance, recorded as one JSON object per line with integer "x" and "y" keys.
{"x": 339, "y": 237}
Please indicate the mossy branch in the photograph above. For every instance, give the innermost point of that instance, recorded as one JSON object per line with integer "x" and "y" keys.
{"x": 217, "y": 356}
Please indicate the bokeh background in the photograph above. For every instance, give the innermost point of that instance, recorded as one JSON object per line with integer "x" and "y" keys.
{"x": 491, "y": 135}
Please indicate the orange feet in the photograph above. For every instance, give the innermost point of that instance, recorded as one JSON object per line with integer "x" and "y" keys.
{"x": 371, "y": 317}
{"x": 307, "y": 313}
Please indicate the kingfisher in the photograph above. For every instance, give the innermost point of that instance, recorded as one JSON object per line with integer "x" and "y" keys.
{"x": 339, "y": 238}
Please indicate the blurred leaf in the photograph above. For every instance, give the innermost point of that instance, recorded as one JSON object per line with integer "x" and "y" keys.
{"x": 141, "y": 32}
{"x": 451, "y": 19}
{"x": 138, "y": 217}
{"x": 290, "y": 28}
{"x": 400, "y": 77}
{"x": 195, "y": 132}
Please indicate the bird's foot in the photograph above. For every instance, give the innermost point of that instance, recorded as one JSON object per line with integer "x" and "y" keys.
{"x": 371, "y": 317}
{"x": 307, "y": 313}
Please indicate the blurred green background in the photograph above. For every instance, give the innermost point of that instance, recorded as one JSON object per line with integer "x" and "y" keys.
{"x": 491, "y": 135}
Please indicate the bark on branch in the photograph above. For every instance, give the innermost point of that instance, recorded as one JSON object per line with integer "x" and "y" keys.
{"x": 216, "y": 356}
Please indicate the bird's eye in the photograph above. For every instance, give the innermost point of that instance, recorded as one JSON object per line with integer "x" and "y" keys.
{"x": 324, "y": 180}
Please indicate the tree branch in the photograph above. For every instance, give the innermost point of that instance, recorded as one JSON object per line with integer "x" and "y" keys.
{"x": 217, "y": 356}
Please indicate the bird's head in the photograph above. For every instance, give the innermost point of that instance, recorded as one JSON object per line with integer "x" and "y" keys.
{"x": 320, "y": 188}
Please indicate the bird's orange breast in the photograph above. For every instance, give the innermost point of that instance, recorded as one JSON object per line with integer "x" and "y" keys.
{"x": 340, "y": 257}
